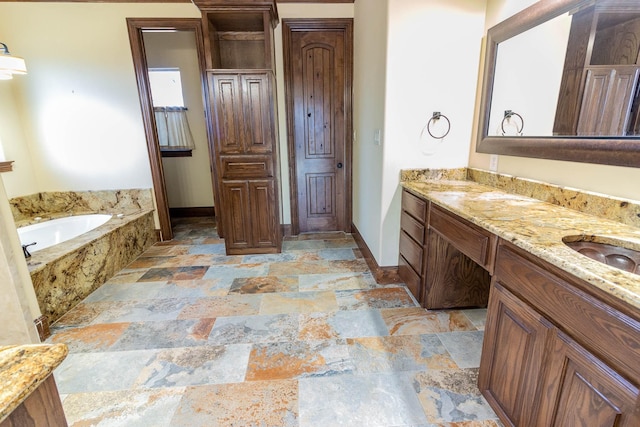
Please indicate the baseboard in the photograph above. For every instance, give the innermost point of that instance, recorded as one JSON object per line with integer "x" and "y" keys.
{"x": 383, "y": 275}
{"x": 286, "y": 230}
{"x": 42, "y": 326}
{"x": 192, "y": 212}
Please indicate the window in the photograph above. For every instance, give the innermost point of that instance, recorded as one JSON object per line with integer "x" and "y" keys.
{"x": 174, "y": 134}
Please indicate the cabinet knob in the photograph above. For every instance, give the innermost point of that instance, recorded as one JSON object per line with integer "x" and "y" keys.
{"x": 339, "y": 165}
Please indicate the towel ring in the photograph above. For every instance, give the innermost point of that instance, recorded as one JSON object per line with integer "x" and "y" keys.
{"x": 507, "y": 115}
{"x": 434, "y": 118}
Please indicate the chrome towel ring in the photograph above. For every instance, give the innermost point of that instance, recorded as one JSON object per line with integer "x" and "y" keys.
{"x": 434, "y": 118}
{"x": 507, "y": 116}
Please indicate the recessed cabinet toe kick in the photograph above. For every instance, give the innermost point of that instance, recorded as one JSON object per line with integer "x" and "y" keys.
{"x": 555, "y": 352}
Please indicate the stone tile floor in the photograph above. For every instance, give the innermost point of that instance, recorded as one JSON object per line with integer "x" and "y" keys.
{"x": 186, "y": 336}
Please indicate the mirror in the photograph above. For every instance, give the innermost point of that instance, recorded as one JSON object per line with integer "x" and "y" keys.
{"x": 561, "y": 81}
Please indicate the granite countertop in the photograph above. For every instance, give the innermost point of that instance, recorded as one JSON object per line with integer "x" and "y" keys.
{"x": 538, "y": 228}
{"x": 23, "y": 368}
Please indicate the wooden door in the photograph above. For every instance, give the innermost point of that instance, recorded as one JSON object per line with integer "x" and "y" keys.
{"x": 581, "y": 390}
{"x": 318, "y": 65}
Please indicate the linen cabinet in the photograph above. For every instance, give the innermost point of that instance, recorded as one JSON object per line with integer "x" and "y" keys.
{"x": 242, "y": 106}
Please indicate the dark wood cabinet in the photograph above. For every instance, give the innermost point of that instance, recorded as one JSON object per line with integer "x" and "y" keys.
{"x": 247, "y": 159}
{"x": 242, "y": 104}
{"x": 583, "y": 390}
{"x": 444, "y": 259}
{"x": 250, "y": 205}
{"x": 512, "y": 355}
{"x": 554, "y": 354}
{"x": 412, "y": 238}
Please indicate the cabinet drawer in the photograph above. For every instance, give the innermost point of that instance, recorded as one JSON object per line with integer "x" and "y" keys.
{"x": 475, "y": 242}
{"x": 411, "y": 251}
{"x": 242, "y": 167}
{"x": 412, "y": 227}
{"x": 415, "y": 206}
{"x": 410, "y": 277}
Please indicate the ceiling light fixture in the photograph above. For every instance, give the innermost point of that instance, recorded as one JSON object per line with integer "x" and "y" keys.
{"x": 10, "y": 65}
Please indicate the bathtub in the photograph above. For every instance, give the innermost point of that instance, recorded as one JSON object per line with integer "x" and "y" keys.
{"x": 55, "y": 231}
{"x": 64, "y": 272}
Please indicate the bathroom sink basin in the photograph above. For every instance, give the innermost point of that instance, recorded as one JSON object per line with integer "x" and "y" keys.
{"x": 621, "y": 254}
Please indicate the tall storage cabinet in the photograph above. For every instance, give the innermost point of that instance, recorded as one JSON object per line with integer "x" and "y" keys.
{"x": 242, "y": 107}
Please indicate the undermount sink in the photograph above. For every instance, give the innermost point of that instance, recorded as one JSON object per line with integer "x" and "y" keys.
{"x": 621, "y": 254}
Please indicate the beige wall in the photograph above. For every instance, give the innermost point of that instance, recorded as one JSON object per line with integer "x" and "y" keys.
{"x": 612, "y": 180}
{"x": 433, "y": 51}
{"x": 369, "y": 88}
{"x": 79, "y": 106}
{"x": 187, "y": 179}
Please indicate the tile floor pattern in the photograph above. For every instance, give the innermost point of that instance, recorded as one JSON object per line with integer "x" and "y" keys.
{"x": 186, "y": 336}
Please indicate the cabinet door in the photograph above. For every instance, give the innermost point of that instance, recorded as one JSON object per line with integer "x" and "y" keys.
{"x": 258, "y": 117}
{"x": 512, "y": 356}
{"x": 237, "y": 214}
{"x": 229, "y": 125}
{"x": 581, "y": 390}
{"x": 606, "y": 104}
{"x": 264, "y": 222}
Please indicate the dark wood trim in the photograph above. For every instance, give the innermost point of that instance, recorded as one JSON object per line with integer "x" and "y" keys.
{"x": 192, "y": 212}
{"x": 383, "y": 275}
{"x": 315, "y": 1}
{"x": 136, "y": 27}
{"x": 286, "y": 230}
{"x": 6, "y": 166}
{"x": 42, "y": 326}
{"x": 601, "y": 150}
{"x": 340, "y": 24}
{"x": 187, "y": 152}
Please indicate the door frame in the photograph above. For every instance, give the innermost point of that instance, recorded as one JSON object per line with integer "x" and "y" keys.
{"x": 136, "y": 26}
{"x": 289, "y": 26}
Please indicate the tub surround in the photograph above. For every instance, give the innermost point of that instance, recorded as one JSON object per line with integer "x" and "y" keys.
{"x": 65, "y": 274}
{"x": 23, "y": 369}
{"x": 538, "y": 226}
{"x": 56, "y": 204}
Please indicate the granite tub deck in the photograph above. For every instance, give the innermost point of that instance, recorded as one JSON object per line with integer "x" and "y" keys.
{"x": 23, "y": 368}
{"x": 539, "y": 227}
{"x": 65, "y": 274}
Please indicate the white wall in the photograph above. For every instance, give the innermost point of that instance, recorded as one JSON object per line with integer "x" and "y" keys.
{"x": 433, "y": 55}
{"x": 13, "y": 142}
{"x": 612, "y": 180}
{"x": 295, "y": 10}
{"x": 370, "y": 73}
{"x": 187, "y": 179}
{"x": 79, "y": 103}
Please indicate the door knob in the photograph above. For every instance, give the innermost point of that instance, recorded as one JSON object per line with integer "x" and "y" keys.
{"x": 339, "y": 165}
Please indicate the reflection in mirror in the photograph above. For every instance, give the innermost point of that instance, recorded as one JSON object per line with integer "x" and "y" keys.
{"x": 523, "y": 85}
{"x": 569, "y": 70}
{"x": 576, "y": 74}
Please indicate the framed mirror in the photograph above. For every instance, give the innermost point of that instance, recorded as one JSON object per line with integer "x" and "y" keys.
{"x": 562, "y": 81}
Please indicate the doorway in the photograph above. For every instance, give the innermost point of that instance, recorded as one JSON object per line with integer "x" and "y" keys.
{"x": 318, "y": 62}
{"x": 168, "y": 57}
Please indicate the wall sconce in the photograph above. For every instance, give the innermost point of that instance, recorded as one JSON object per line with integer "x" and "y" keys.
{"x": 10, "y": 65}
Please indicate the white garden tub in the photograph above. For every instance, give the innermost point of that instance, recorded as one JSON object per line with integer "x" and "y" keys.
{"x": 52, "y": 232}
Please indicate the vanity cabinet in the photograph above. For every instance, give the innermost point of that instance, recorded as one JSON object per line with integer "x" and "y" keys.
{"x": 413, "y": 224}
{"x": 444, "y": 259}
{"x": 554, "y": 354}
